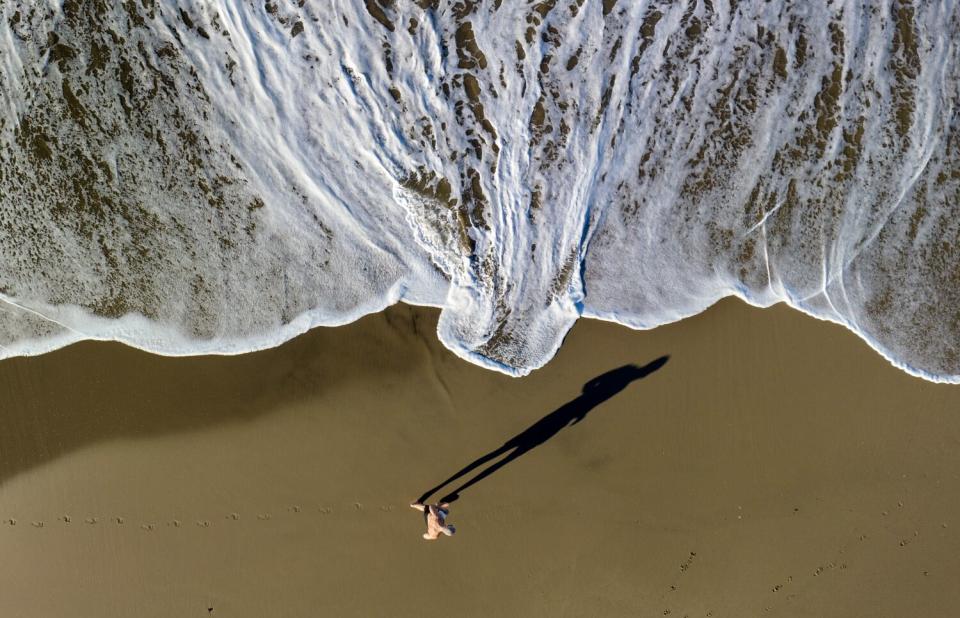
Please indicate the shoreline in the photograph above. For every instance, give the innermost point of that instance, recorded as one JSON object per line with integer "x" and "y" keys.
{"x": 307, "y": 322}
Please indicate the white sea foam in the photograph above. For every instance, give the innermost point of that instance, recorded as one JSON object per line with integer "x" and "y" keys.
{"x": 218, "y": 176}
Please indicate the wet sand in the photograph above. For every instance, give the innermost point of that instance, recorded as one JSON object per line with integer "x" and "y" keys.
{"x": 775, "y": 466}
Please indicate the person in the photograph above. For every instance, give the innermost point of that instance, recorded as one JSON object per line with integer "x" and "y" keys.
{"x": 435, "y": 515}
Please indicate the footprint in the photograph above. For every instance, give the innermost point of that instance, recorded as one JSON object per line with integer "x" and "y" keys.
{"x": 295, "y": 509}
{"x": 175, "y": 523}
{"x": 779, "y": 587}
{"x": 358, "y": 506}
{"x": 119, "y": 520}
{"x": 91, "y": 520}
{"x": 905, "y": 542}
{"x": 386, "y": 509}
{"x": 234, "y": 516}
{"x": 147, "y": 527}
{"x": 203, "y": 523}
{"x": 66, "y": 519}
{"x": 263, "y": 516}
{"x": 828, "y": 567}
{"x": 37, "y": 524}
{"x": 325, "y": 510}
{"x": 686, "y": 564}
{"x": 12, "y": 522}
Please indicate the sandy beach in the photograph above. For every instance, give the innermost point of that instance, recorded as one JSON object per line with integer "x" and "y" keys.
{"x": 774, "y": 466}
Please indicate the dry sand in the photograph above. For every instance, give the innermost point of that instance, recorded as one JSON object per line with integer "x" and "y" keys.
{"x": 775, "y": 466}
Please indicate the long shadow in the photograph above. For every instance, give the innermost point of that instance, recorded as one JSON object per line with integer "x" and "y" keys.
{"x": 595, "y": 392}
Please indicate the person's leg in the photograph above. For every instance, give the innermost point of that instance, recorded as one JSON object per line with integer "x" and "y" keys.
{"x": 417, "y": 505}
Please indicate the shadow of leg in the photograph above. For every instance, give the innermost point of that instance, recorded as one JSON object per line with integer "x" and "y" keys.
{"x": 466, "y": 470}
{"x": 454, "y": 495}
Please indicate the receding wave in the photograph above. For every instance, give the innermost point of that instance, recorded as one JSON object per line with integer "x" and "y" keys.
{"x": 217, "y": 176}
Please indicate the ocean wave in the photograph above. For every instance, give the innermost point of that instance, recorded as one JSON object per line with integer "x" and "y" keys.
{"x": 218, "y": 176}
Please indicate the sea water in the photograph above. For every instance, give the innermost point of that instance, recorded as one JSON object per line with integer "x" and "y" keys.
{"x": 219, "y": 176}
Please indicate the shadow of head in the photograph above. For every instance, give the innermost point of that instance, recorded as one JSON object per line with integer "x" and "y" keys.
{"x": 614, "y": 381}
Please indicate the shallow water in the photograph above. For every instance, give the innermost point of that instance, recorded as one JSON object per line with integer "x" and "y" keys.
{"x": 219, "y": 176}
